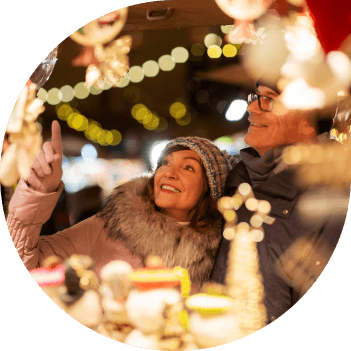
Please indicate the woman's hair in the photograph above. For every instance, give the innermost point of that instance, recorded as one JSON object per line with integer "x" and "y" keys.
{"x": 206, "y": 213}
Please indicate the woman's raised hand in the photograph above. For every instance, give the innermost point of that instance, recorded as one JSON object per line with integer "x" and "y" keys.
{"x": 46, "y": 172}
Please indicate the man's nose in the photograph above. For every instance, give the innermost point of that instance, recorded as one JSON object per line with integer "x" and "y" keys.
{"x": 254, "y": 107}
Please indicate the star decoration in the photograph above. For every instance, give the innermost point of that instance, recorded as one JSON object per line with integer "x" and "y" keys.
{"x": 244, "y": 196}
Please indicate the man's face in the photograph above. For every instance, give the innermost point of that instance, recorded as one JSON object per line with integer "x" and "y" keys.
{"x": 277, "y": 128}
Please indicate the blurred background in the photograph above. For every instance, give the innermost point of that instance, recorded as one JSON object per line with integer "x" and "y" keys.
{"x": 185, "y": 78}
{"x": 191, "y": 95}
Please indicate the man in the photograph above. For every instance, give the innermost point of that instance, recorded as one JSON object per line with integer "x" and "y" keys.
{"x": 271, "y": 129}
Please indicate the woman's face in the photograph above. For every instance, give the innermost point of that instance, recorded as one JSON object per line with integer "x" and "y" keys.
{"x": 178, "y": 184}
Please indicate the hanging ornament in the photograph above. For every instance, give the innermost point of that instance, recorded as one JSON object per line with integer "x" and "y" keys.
{"x": 113, "y": 63}
{"x": 44, "y": 70}
{"x": 102, "y": 30}
{"x": 24, "y": 137}
{"x": 244, "y": 13}
{"x": 110, "y": 62}
{"x": 86, "y": 57}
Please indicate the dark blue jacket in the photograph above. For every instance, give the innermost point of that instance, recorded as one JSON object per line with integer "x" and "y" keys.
{"x": 283, "y": 195}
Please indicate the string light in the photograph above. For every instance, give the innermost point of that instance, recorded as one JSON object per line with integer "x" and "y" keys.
{"x": 166, "y": 63}
{"x": 229, "y": 50}
{"x": 136, "y": 74}
{"x": 214, "y": 51}
{"x": 177, "y": 110}
{"x": 151, "y": 68}
{"x": 91, "y": 128}
{"x": 54, "y": 96}
{"x": 212, "y": 39}
{"x": 67, "y": 93}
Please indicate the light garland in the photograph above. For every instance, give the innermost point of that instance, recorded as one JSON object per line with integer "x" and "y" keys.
{"x": 150, "y": 68}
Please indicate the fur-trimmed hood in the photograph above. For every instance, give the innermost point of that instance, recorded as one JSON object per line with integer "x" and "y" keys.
{"x": 131, "y": 217}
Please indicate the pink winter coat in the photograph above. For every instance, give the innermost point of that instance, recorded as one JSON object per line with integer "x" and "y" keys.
{"x": 29, "y": 210}
{"x": 128, "y": 228}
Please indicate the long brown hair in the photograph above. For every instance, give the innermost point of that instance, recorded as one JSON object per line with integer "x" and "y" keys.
{"x": 206, "y": 213}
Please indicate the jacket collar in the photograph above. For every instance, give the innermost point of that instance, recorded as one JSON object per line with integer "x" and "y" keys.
{"x": 280, "y": 185}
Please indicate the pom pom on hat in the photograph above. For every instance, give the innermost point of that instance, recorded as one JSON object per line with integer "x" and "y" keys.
{"x": 217, "y": 163}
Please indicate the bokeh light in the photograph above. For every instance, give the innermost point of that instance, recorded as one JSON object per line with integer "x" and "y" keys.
{"x": 177, "y": 110}
{"x": 139, "y": 112}
{"x": 64, "y": 111}
{"x": 186, "y": 119}
{"x": 89, "y": 152}
{"x": 95, "y": 90}
{"x": 136, "y": 74}
{"x": 212, "y": 39}
{"x": 113, "y": 137}
{"x": 198, "y": 49}
{"x": 151, "y": 68}
{"x": 180, "y": 54}
{"x": 166, "y": 63}
{"x": 227, "y": 28}
{"x": 214, "y": 51}
{"x": 236, "y": 110}
{"x": 155, "y": 152}
{"x": 80, "y": 91}
{"x": 80, "y": 123}
{"x": 54, "y": 96}
{"x": 162, "y": 125}
{"x": 153, "y": 123}
{"x": 67, "y": 93}
{"x": 229, "y": 50}
{"x": 124, "y": 81}
{"x": 42, "y": 94}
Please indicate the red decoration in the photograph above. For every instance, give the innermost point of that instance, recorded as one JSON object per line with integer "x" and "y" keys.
{"x": 332, "y": 22}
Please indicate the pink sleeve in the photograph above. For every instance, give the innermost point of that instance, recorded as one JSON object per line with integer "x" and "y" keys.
{"x": 28, "y": 211}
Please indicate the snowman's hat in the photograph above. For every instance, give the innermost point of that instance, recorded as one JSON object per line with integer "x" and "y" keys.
{"x": 79, "y": 277}
{"x": 49, "y": 276}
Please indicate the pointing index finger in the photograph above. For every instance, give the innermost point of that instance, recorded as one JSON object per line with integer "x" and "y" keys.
{"x": 56, "y": 137}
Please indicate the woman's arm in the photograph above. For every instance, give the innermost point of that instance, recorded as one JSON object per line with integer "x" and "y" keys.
{"x": 28, "y": 211}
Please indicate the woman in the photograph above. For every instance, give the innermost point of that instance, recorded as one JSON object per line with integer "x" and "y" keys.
{"x": 172, "y": 214}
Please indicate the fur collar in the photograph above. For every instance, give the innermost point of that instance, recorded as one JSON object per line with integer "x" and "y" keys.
{"x": 133, "y": 219}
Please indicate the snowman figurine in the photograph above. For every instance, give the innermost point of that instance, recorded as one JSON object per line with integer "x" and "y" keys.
{"x": 212, "y": 321}
{"x": 115, "y": 288}
{"x": 79, "y": 294}
{"x": 153, "y": 305}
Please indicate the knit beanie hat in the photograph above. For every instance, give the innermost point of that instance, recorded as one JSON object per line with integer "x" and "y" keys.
{"x": 217, "y": 163}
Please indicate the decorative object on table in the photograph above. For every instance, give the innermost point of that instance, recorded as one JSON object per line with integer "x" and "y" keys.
{"x": 114, "y": 289}
{"x": 50, "y": 278}
{"x": 212, "y": 321}
{"x": 79, "y": 294}
{"x": 154, "y": 306}
{"x": 243, "y": 12}
{"x": 24, "y": 136}
{"x": 110, "y": 62}
{"x": 243, "y": 279}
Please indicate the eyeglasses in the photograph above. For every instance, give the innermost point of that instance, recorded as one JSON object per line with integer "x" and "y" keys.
{"x": 265, "y": 103}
